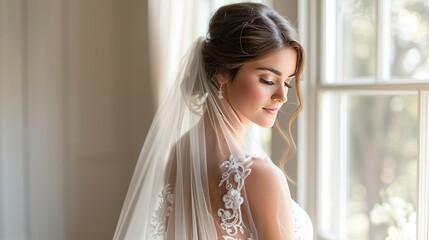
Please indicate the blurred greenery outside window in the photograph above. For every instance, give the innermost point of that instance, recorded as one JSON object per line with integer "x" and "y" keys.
{"x": 372, "y": 120}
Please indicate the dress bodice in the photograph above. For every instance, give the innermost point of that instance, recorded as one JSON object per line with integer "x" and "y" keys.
{"x": 303, "y": 228}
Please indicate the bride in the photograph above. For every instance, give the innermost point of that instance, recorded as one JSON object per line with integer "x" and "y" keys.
{"x": 201, "y": 173}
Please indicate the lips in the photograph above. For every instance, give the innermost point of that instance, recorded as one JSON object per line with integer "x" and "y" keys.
{"x": 271, "y": 110}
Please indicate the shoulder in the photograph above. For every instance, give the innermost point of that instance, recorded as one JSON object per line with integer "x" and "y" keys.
{"x": 269, "y": 199}
{"x": 265, "y": 176}
{"x": 266, "y": 185}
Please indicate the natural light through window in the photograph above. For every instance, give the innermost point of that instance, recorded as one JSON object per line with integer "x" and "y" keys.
{"x": 372, "y": 123}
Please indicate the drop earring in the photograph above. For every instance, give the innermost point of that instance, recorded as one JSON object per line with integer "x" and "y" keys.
{"x": 220, "y": 93}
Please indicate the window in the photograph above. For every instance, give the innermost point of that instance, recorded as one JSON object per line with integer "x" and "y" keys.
{"x": 371, "y": 121}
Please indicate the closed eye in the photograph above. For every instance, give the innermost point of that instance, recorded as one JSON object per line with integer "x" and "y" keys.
{"x": 288, "y": 85}
{"x": 289, "y": 81}
{"x": 266, "y": 81}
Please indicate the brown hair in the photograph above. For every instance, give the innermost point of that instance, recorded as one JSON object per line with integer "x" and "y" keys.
{"x": 244, "y": 32}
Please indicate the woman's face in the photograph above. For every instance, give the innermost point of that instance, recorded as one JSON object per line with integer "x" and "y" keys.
{"x": 260, "y": 87}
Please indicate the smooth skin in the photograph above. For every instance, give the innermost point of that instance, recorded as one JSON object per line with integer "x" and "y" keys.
{"x": 261, "y": 87}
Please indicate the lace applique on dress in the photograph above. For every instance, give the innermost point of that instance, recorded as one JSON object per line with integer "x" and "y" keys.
{"x": 303, "y": 228}
{"x": 237, "y": 169}
{"x": 163, "y": 210}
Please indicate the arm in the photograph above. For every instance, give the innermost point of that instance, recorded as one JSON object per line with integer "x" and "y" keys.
{"x": 270, "y": 201}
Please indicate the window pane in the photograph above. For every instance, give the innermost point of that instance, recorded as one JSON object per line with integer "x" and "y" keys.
{"x": 383, "y": 152}
{"x": 368, "y": 165}
{"x": 410, "y": 39}
{"x": 357, "y": 43}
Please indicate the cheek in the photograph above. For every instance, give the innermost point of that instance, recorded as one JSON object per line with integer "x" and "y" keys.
{"x": 250, "y": 93}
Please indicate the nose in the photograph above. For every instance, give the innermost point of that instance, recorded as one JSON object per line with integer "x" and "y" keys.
{"x": 280, "y": 95}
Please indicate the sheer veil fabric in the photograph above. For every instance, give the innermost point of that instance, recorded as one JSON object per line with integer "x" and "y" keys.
{"x": 192, "y": 134}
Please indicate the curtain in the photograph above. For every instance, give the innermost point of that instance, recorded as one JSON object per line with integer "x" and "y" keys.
{"x": 173, "y": 25}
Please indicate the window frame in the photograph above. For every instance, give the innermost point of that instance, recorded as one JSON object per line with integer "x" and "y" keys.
{"x": 312, "y": 21}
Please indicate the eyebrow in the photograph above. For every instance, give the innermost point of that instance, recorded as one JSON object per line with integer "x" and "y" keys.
{"x": 275, "y": 71}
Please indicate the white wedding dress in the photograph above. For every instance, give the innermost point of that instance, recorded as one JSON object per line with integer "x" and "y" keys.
{"x": 303, "y": 228}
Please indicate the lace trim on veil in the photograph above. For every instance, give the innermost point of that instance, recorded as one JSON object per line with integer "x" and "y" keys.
{"x": 163, "y": 210}
{"x": 237, "y": 169}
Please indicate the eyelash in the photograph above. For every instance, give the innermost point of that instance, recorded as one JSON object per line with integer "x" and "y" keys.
{"x": 272, "y": 83}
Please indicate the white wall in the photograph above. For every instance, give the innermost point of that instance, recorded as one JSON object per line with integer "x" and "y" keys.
{"x": 75, "y": 104}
